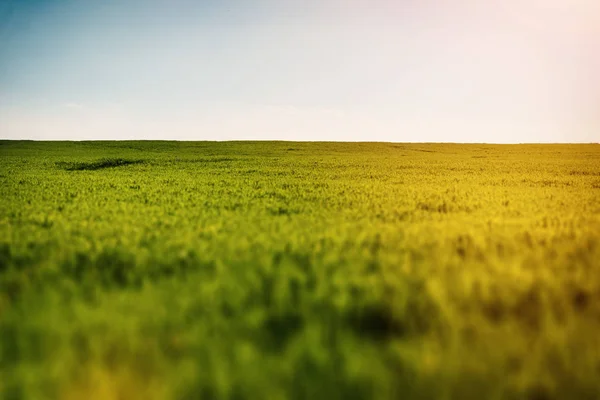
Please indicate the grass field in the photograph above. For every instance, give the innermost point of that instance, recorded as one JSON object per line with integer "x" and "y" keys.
{"x": 281, "y": 270}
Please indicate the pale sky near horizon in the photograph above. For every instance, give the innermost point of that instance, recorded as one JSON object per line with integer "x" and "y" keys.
{"x": 508, "y": 71}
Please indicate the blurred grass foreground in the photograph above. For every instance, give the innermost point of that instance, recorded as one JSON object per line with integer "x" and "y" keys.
{"x": 281, "y": 270}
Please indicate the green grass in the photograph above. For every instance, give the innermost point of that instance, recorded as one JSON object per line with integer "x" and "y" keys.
{"x": 249, "y": 270}
{"x": 98, "y": 164}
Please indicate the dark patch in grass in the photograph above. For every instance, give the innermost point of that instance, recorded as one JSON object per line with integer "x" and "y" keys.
{"x": 233, "y": 206}
{"x": 377, "y": 322}
{"x": 538, "y": 393}
{"x": 98, "y": 164}
{"x": 494, "y": 311}
{"x": 45, "y": 223}
{"x": 280, "y": 211}
{"x": 584, "y": 173}
{"x": 527, "y": 310}
{"x": 445, "y": 207}
{"x": 282, "y": 328}
{"x": 548, "y": 183}
{"x": 110, "y": 268}
{"x": 118, "y": 268}
{"x": 580, "y": 300}
{"x": 407, "y": 166}
{"x": 442, "y": 208}
{"x": 5, "y": 256}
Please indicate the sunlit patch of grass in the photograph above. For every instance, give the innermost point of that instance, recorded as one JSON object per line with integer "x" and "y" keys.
{"x": 97, "y": 382}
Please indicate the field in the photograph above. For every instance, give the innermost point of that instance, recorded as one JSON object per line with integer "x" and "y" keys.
{"x": 283, "y": 270}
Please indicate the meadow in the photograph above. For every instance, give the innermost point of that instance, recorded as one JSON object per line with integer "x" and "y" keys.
{"x": 284, "y": 270}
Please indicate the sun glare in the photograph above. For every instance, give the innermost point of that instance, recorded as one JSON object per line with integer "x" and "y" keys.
{"x": 560, "y": 16}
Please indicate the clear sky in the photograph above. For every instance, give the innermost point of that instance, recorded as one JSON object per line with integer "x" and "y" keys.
{"x": 382, "y": 70}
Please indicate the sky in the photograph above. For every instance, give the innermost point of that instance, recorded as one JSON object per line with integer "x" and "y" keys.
{"x": 509, "y": 71}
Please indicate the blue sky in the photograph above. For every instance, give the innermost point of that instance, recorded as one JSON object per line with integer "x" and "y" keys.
{"x": 404, "y": 70}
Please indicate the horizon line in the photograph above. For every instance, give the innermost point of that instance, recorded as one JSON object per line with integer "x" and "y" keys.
{"x": 289, "y": 141}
